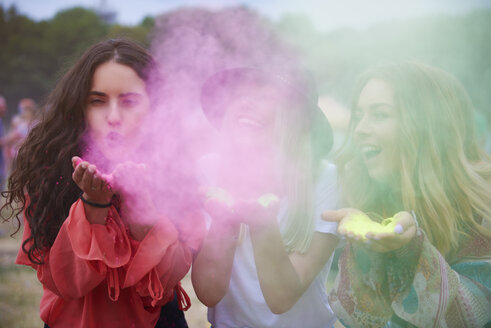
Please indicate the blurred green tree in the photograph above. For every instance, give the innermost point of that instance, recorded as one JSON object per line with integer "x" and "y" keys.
{"x": 460, "y": 45}
{"x": 35, "y": 54}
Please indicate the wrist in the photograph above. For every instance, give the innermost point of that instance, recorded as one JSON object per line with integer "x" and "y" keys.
{"x": 225, "y": 228}
{"x": 101, "y": 202}
{"x": 98, "y": 199}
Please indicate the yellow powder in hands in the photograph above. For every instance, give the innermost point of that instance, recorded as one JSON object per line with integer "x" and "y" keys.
{"x": 267, "y": 199}
{"x": 360, "y": 224}
{"x": 220, "y": 195}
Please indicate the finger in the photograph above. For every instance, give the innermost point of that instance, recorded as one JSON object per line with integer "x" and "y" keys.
{"x": 336, "y": 215}
{"x": 243, "y": 207}
{"x": 384, "y": 242}
{"x": 404, "y": 222}
{"x": 97, "y": 182}
{"x": 75, "y": 161}
{"x": 87, "y": 178}
{"x": 381, "y": 242}
{"x": 356, "y": 241}
{"x": 218, "y": 210}
{"x": 383, "y": 245}
{"x": 108, "y": 178}
{"x": 106, "y": 182}
{"x": 409, "y": 233}
{"x": 116, "y": 176}
{"x": 213, "y": 202}
{"x": 79, "y": 172}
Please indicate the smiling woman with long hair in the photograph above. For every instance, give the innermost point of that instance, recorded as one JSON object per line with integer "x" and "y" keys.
{"x": 411, "y": 154}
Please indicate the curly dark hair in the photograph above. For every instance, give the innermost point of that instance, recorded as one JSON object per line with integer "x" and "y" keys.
{"x": 41, "y": 185}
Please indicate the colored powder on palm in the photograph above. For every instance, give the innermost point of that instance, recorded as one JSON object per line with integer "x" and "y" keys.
{"x": 360, "y": 224}
{"x": 220, "y": 195}
{"x": 267, "y": 199}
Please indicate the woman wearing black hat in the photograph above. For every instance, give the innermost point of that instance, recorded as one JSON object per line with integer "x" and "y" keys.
{"x": 267, "y": 176}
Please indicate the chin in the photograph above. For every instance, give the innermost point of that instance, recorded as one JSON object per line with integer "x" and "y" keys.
{"x": 116, "y": 155}
{"x": 376, "y": 174}
{"x": 382, "y": 179}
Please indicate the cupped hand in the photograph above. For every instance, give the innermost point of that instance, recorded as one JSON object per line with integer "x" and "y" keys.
{"x": 130, "y": 179}
{"x": 132, "y": 182}
{"x": 403, "y": 232}
{"x": 218, "y": 203}
{"x": 91, "y": 181}
{"x": 255, "y": 213}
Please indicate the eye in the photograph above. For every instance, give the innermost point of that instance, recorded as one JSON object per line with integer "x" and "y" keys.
{"x": 380, "y": 115}
{"x": 130, "y": 101}
{"x": 357, "y": 115}
{"x": 96, "y": 101}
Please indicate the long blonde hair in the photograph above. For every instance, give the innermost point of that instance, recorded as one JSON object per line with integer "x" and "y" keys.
{"x": 304, "y": 138}
{"x": 442, "y": 173}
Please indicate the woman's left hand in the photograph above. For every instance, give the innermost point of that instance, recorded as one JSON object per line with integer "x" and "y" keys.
{"x": 255, "y": 214}
{"x": 382, "y": 242}
{"x": 132, "y": 181}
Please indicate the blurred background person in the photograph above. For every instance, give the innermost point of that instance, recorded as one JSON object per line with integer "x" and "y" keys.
{"x": 19, "y": 129}
{"x": 3, "y": 110}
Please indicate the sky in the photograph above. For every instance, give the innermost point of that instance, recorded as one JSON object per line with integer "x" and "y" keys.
{"x": 325, "y": 14}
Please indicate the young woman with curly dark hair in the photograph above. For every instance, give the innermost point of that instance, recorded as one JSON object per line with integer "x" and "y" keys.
{"x": 106, "y": 252}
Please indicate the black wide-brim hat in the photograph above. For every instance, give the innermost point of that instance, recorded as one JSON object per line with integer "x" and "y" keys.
{"x": 219, "y": 90}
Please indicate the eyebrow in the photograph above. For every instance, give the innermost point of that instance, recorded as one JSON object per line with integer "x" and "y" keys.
{"x": 381, "y": 104}
{"x": 97, "y": 93}
{"x": 129, "y": 94}
{"x": 122, "y": 95}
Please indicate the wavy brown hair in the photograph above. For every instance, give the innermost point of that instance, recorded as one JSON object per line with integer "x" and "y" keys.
{"x": 442, "y": 174}
{"x": 41, "y": 186}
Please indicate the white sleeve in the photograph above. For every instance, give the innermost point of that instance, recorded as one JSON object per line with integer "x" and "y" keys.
{"x": 326, "y": 197}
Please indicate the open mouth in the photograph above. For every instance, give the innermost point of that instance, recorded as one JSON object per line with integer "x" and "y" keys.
{"x": 369, "y": 152}
{"x": 250, "y": 122}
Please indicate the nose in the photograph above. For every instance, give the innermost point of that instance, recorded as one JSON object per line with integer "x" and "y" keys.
{"x": 363, "y": 127}
{"x": 114, "y": 117}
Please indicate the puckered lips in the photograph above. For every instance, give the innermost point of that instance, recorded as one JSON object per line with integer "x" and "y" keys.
{"x": 114, "y": 139}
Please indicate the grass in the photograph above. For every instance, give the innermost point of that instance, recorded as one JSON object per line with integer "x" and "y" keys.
{"x": 20, "y": 290}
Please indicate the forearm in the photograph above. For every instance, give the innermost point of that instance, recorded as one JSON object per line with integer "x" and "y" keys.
{"x": 212, "y": 267}
{"x": 280, "y": 283}
{"x": 74, "y": 276}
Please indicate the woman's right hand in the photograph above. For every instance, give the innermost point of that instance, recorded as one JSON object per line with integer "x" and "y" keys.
{"x": 219, "y": 205}
{"x": 90, "y": 181}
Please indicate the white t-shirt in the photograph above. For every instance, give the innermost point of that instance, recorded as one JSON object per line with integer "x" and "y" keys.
{"x": 244, "y": 306}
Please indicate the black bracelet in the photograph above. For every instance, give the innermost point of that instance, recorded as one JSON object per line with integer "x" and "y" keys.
{"x": 88, "y": 202}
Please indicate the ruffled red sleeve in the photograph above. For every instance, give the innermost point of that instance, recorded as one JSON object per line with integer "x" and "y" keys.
{"x": 84, "y": 255}
{"x": 163, "y": 258}
{"x": 81, "y": 254}
{"x": 102, "y": 245}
